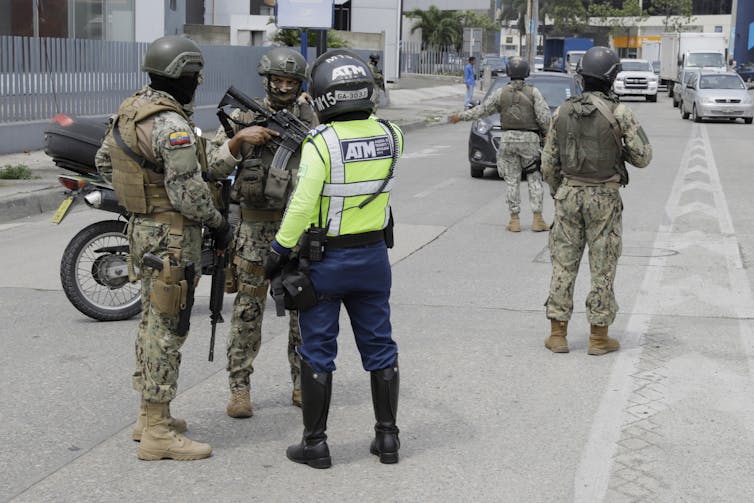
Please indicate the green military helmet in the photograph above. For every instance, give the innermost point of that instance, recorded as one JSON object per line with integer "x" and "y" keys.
{"x": 173, "y": 56}
{"x": 283, "y": 62}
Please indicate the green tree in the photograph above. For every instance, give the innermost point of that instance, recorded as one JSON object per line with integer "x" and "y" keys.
{"x": 440, "y": 28}
{"x": 292, "y": 38}
{"x": 677, "y": 13}
{"x": 569, "y": 16}
{"x": 620, "y": 20}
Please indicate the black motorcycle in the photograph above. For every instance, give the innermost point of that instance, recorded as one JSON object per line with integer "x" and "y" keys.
{"x": 94, "y": 267}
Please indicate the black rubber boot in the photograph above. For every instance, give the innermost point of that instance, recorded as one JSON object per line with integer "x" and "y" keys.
{"x": 385, "y": 384}
{"x": 316, "y": 390}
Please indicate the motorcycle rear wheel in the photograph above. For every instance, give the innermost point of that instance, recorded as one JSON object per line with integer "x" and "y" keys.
{"x": 95, "y": 280}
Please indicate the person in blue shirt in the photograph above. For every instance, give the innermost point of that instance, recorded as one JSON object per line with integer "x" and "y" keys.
{"x": 469, "y": 78}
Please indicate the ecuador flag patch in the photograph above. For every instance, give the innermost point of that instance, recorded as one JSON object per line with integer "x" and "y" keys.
{"x": 179, "y": 138}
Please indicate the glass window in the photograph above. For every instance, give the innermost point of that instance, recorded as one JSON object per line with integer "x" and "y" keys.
{"x": 53, "y": 18}
{"x": 119, "y": 20}
{"x": 636, "y": 66}
{"x": 88, "y": 21}
{"x": 17, "y": 18}
{"x": 721, "y": 82}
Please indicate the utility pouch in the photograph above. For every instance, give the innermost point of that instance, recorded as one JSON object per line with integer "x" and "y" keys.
{"x": 168, "y": 298}
{"x": 169, "y": 289}
{"x": 298, "y": 287}
{"x": 276, "y": 187}
{"x": 231, "y": 279}
{"x": 248, "y": 185}
{"x": 388, "y": 231}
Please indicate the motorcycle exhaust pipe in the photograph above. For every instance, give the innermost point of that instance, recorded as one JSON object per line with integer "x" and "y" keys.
{"x": 104, "y": 200}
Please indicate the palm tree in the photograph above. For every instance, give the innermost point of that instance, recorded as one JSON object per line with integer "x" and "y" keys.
{"x": 439, "y": 28}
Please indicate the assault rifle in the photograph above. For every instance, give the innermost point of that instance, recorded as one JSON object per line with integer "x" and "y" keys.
{"x": 219, "y": 264}
{"x": 291, "y": 129}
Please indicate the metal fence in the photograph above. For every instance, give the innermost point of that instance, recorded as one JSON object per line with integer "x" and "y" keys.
{"x": 431, "y": 61}
{"x": 41, "y": 77}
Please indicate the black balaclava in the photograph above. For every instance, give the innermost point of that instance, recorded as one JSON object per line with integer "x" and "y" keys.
{"x": 182, "y": 88}
{"x": 593, "y": 84}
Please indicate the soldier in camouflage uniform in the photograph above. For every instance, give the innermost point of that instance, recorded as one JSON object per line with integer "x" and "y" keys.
{"x": 591, "y": 137}
{"x": 155, "y": 161}
{"x": 524, "y": 117}
{"x": 283, "y": 71}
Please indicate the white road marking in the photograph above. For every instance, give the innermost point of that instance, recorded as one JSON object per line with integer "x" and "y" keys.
{"x": 593, "y": 474}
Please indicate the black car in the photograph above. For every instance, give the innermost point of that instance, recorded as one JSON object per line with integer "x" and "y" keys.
{"x": 746, "y": 72}
{"x": 497, "y": 66}
{"x": 484, "y": 139}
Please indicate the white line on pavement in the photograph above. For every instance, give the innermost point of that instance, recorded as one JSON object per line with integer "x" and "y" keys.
{"x": 425, "y": 193}
{"x": 593, "y": 475}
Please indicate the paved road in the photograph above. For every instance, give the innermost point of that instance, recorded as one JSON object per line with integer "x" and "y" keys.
{"x": 486, "y": 413}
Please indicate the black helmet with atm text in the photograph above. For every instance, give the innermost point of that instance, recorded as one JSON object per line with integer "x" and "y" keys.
{"x": 340, "y": 82}
{"x": 172, "y": 57}
{"x": 601, "y": 63}
{"x": 518, "y": 69}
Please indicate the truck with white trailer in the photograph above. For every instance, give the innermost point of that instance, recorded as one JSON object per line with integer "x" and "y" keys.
{"x": 705, "y": 51}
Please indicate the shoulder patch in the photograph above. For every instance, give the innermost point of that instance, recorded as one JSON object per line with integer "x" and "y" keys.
{"x": 179, "y": 138}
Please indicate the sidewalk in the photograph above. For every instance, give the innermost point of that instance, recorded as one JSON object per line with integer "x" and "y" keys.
{"x": 415, "y": 102}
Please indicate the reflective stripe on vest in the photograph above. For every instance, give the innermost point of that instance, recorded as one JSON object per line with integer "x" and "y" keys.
{"x": 337, "y": 190}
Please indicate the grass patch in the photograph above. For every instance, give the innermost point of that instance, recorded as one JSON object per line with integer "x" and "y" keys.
{"x": 16, "y": 172}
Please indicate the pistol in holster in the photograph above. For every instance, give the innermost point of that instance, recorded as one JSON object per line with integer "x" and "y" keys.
{"x": 173, "y": 289}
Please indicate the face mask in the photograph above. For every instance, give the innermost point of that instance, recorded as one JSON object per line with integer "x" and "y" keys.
{"x": 182, "y": 88}
{"x": 282, "y": 96}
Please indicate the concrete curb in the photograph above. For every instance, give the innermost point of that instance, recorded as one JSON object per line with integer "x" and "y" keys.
{"x": 30, "y": 203}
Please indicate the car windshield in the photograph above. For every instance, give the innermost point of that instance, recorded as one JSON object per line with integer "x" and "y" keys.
{"x": 636, "y": 66}
{"x": 496, "y": 62}
{"x": 539, "y": 60}
{"x": 721, "y": 82}
{"x": 701, "y": 59}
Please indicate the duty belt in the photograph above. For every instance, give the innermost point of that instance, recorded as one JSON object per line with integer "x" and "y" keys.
{"x": 579, "y": 183}
{"x": 175, "y": 220}
{"x": 252, "y": 215}
{"x": 354, "y": 240}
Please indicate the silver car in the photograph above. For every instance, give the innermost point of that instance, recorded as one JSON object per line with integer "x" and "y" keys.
{"x": 716, "y": 96}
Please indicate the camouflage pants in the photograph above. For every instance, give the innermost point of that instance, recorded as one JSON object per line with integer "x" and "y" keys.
{"x": 158, "y": 354}
{"x": 512, "y": 159}
{"x": 585, "y": 216}
{"x": 251, "y": 246}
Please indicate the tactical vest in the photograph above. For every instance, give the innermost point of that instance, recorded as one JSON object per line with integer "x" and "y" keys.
{"x": 588, "y": 146}
{"x": 254, "y": 169}
{"x": 140, "y": 186}
{"x": 517, "y": 109}
{"x": 358, "y": 156}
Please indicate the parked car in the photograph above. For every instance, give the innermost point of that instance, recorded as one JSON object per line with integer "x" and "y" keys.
{"x": 484, "y": 138}
{"x": 498, "y": 66}
{"x": 637, "y": 78}
{"x": 716, "y": 95}
{"x": 680, "y": 83}
{"x": 746, "y": 72}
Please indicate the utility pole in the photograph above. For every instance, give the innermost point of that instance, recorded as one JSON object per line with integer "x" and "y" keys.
{"x": 532, "y": 13}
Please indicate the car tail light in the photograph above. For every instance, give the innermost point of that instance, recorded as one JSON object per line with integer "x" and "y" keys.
{"x": 62, "y": 119}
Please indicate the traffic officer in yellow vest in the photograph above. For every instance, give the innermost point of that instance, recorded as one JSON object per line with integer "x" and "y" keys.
{"x": 591, "y": 137}
{"x": 345, "y": 178}
{"x": 154, "y": 161}
{"x": 524, "y": 117}
{"x": 283, "y": 70}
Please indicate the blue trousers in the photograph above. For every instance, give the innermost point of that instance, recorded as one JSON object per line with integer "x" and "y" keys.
{"x": 469, "y": 95}
{"x": 360, "y": 279}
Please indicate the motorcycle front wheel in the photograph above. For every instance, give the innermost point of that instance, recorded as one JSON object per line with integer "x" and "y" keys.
{"x": 94, "y": 273}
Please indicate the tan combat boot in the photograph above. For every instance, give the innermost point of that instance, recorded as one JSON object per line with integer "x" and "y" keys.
{"x": 296, "y": 397}
{"x": 239, "y": 405}
{"x": 557, "y": 342}
{"x": 515, "y": 224}
{"x": 179, "y": 425}
{"x": 159, "y": 441}
{"x": 539, "y": 224}
{"x": 600, "y": 343}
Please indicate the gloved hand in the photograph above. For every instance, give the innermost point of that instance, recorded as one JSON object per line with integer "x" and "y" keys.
{"x": 222, "y": 235}
{"x": 273, "y": 264}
